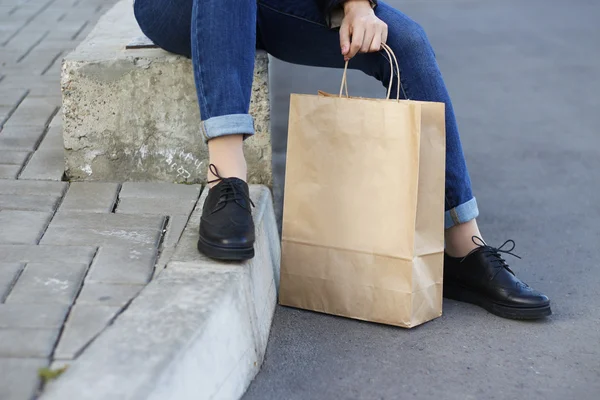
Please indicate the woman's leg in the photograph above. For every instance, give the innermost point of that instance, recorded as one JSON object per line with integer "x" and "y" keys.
{"x": 297, "y": 32}
{"x": 220, "y": 38}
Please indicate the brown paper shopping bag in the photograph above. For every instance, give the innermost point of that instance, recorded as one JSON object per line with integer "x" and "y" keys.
{"x": 363, "y": 212}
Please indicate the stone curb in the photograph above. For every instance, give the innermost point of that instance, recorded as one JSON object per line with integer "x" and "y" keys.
{"x": 199, "y": 330}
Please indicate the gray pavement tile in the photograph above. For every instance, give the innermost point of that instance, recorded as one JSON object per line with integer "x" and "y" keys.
{"x": 101, "y": 236}
{"x": 174, "y": 230}
{"x": 4, "y": 111}
{"x": 91, "y": 197}
{"x": 165, "y": 256}
{"x": 109, "y": 294}
{"x": 9, "y": 98}
{"x": 33, "y": 315}
{"x": 39, "y": 188}
{"x": 85, "y": 220}
{"x": 47, "y": 283}
{"x": 24, "y": 41}
{"x": 160, "y": 190}
{"x": 42, "y": 60}
{"x": 19, "y": 253}
{"x": 57, "y": 121}
{"x": 19, "y": 378}
{"x": 9, "y": 171}
{"x": 104, "y": 229}
{"x": 84, "y": 324}
{"x": 34, "y": 111}
{"x": 12, "y": 157}
{"x": 21, "y": 137}
{"x": 45, "y": 164}
{"x": 159, "y": 206}
{"x": 22, "y": 227}
{"x": 27, "y": 342}
{"x": 26, "y": 143}
{"x": 8, "y": 276}
{"x": 60, "y": 364}
{"x": 53, "y": 139}
{"x": 123, "y": 265}
{"x": 38, "y": 86}
{"x": 28, "y": 202}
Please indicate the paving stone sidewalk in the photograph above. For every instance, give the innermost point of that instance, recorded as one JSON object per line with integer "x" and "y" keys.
{"x": 72, "y": 255}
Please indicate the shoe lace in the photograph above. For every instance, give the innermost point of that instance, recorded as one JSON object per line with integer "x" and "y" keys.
{"x": 229, "y": 192}
{"x": 493, "y": 253}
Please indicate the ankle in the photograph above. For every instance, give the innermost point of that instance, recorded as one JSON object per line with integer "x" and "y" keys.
{"x": 459, "y": 239}
{"x": 227, "y": 155}
{"x": 226, "y": 170}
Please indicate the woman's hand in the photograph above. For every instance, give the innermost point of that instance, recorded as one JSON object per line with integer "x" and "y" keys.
{"x": 361, "y": 30}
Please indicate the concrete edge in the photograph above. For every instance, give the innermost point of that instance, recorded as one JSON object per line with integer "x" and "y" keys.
{"x": 199, "y": 330}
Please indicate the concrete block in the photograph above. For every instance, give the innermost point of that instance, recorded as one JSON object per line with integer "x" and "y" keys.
{"x": 43, "y": 316}
{"x": 27, "y": 342}
{"x": 159, "y": 190}
{"x": 110, "y": 294}
{"x": 91, "y": 197}
{"x": 123, "y": 265}
{"x": 204, "y": 323}
{"x": 19, "y": 378}
{"x": 84, "y": 324}
{"x": 8, "y": 275}
{"x": 24, "y": 227}
{"x": 47, "y": 283}
{"x": 27, "y": 188}
{"x": 25, "y": 202}
{"x": 19, "y": 253}
{"x": 117, "y": 128}
{"x": 9, "y": 171}
{"x": 12, "y": 157}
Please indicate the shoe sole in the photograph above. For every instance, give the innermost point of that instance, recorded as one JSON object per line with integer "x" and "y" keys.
{"x": 225, "y": 253}
{"x": 459, "y": 293}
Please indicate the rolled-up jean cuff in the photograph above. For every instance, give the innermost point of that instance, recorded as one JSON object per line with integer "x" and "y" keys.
{"x": 461, "y": 214}
{"x": 232, "y": 124}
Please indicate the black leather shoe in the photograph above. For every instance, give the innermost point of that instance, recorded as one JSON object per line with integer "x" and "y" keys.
{"x": 483, "y": 278}
{"x": 226, "y": 227}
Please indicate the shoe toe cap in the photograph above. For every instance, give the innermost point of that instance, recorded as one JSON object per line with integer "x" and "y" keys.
{"x": 240, "y": 237}
{"x": 531, "y": 298}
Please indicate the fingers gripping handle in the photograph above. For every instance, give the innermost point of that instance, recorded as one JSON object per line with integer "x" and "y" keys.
{"x": 395, "y": 72}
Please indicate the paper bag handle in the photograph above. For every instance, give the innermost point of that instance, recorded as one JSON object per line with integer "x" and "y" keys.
{"x": 393, "y": 63}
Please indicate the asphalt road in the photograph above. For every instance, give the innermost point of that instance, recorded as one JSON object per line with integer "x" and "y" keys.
{"x": 525, "y": 80}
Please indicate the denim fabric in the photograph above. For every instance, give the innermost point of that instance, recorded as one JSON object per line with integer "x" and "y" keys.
{"x": 221, "y": 37}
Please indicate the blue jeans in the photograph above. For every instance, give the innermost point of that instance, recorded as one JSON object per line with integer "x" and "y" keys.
{"x": 221, "y": 37}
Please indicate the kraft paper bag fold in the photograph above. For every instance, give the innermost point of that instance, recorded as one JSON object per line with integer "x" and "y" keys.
{"x": 363, "y": 220}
